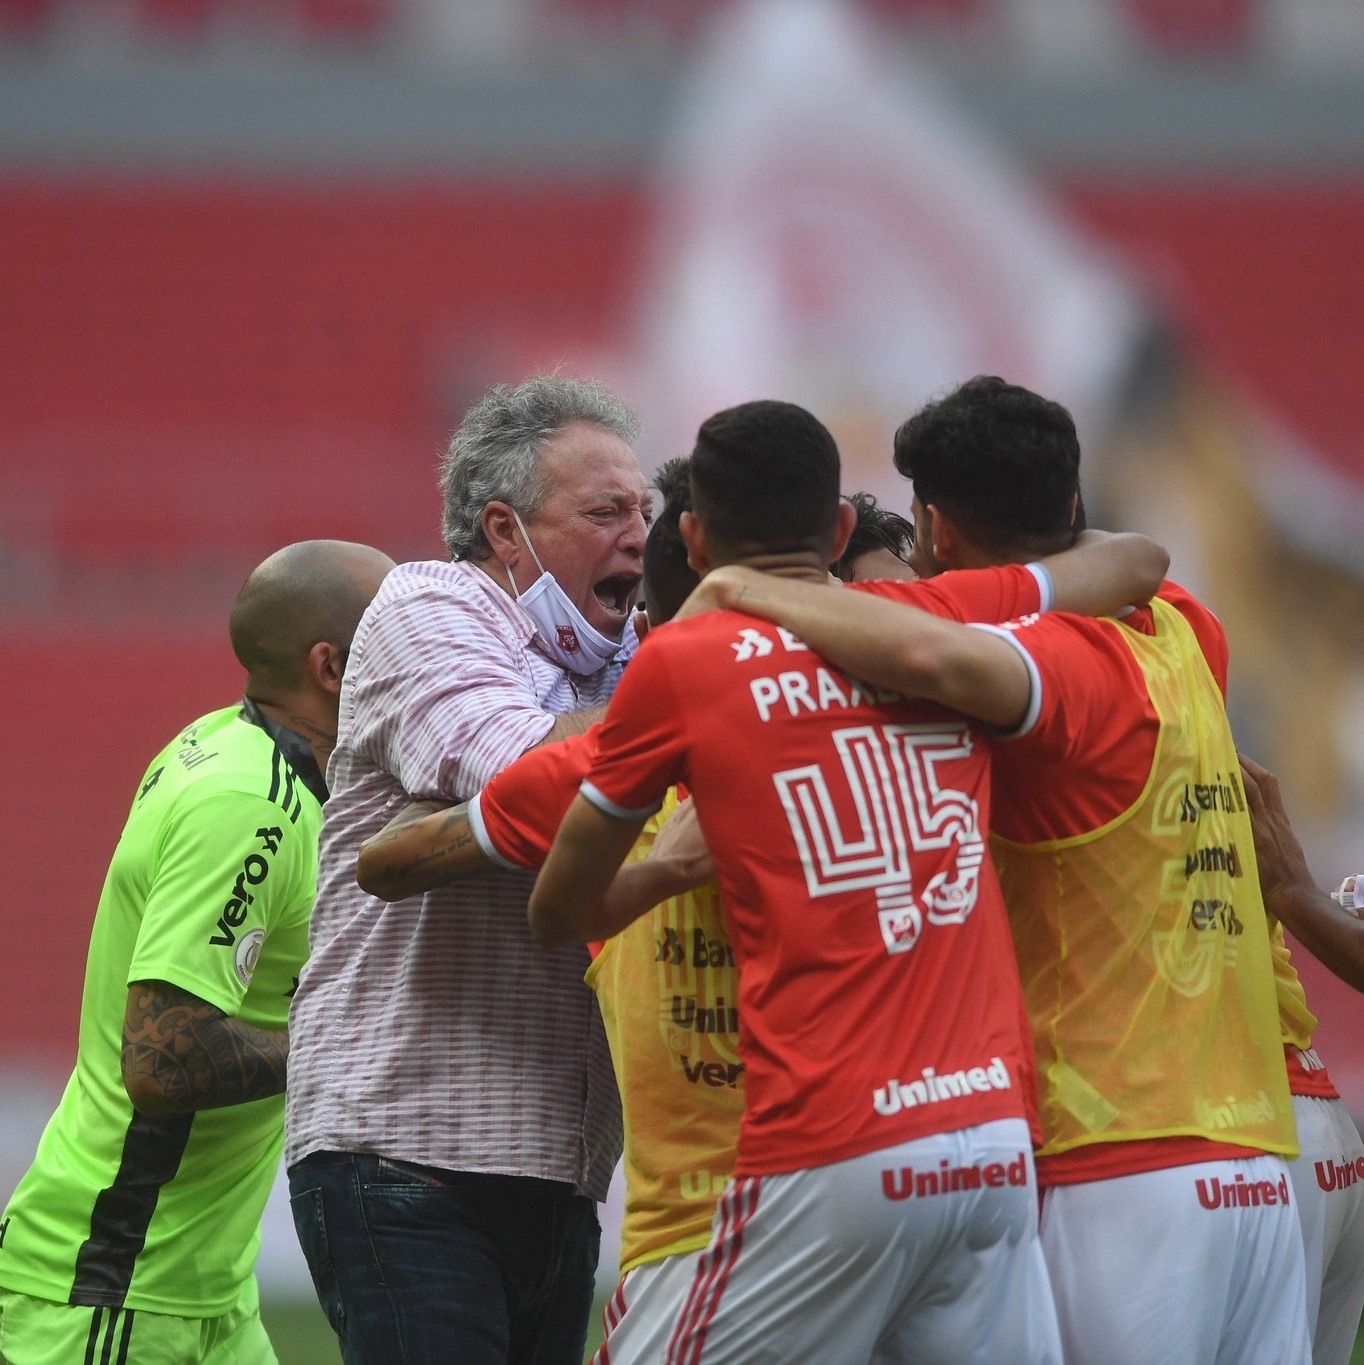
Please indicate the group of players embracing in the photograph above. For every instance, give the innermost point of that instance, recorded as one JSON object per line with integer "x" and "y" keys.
{"x": 919, "y": 907}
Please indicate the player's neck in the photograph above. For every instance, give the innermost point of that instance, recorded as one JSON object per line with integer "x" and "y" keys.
{"x": 309, "y": 720}
{"x": 798, "y": 564}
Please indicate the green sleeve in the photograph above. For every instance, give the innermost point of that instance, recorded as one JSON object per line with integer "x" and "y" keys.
{"x": 229, "y": 866}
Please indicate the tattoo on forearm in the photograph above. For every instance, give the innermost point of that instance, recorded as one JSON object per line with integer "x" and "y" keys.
{"x": 184, "y": 1054}
{"x": 455, "y": 834}
{"x": 418, "y": 810}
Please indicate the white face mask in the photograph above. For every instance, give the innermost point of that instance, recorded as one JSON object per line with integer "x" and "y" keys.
{"x": 568, "y": 637}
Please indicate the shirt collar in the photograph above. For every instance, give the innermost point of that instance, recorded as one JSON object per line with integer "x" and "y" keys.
{"x": 294, "y": 748}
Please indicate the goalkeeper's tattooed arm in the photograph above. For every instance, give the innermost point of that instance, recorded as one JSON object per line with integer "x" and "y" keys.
{"x": 182, "y": 1054}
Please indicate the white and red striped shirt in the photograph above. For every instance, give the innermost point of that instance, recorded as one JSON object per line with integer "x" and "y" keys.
{"x": 435, "y": 1030}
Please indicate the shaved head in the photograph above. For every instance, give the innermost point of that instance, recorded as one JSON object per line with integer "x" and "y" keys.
{"x": 310, "y": 592}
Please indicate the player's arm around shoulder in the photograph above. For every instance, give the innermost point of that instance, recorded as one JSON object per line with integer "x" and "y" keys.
{"x": 1105, "y": 571}
{"x": 572, "y": 901}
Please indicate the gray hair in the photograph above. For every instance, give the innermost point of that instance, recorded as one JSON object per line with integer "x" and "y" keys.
{"x": 495, "y": 453}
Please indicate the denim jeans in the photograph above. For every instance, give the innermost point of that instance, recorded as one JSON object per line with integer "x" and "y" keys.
{"x": 419, "y": 1266}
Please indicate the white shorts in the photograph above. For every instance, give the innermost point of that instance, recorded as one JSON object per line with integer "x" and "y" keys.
{"x": 923, "y": 1252}
{"x": 1168, "y": 1268}
{"x": 1328, "y": 1185}
{"x": 639, "y": 1317}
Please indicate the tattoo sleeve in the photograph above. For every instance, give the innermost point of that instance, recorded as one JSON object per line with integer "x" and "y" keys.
{"x": 181, "y": 1054}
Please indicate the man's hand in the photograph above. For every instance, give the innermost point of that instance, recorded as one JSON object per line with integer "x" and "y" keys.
{"x": 182, "y": 1054}
{"x": 719, "y": 590}
{"x": 1328, "y": 931}
{"x": 1283, "y": 865}
{"x": 680, "y": 851}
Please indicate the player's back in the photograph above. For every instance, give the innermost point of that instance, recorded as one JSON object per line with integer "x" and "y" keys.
{"x": 878, "y": 992}
{"x": 1126, "y": 855}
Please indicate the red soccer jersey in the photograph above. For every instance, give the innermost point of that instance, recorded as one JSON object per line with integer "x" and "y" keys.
{"x": 1087, "y": 757}
{"x": 1083, "y": 763}
{"x": 879, "y": 997}
{"x": 992, "y": 595}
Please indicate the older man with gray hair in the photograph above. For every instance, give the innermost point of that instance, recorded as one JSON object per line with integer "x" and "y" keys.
{"x": 451, "y": 1111}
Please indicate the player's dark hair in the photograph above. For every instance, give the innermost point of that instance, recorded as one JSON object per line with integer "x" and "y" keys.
{"x": 1001, "y": 461}
{"x": 668, "y": 578}
{"x": 764, "y": 478}
{"x": 877, "y": 528}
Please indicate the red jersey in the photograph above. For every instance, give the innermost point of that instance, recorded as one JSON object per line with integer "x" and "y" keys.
{"x": 1086, "y": 761}
{"x": 516, "y": 816}
{"x": 992, "y": 595}
{"x": 879, "y": 997}
{"x": 1087, "y": 757}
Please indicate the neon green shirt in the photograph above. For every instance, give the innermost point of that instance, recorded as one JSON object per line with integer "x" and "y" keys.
{"x": 210, "y": 889}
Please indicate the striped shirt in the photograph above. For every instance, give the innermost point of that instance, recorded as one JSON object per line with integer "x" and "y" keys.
{"x": 435, "y": 1030}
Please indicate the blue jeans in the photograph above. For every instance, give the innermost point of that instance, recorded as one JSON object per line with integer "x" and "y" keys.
{"x": 419, "y": 1266}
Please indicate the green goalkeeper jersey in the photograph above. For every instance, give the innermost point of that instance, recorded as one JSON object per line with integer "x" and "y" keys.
{"x": 210, "y": 890}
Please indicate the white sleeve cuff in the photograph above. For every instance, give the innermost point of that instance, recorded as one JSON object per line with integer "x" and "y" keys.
{"x": 482, "y": 838}
{"x": 1034, "y": 679}
{"x": 609, "y": 807}
{"x": 1045, "y": 587}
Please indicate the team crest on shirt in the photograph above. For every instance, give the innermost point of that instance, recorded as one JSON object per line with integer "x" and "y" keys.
{"x": 247, "y": 954}
{"x": 900, "y": 926}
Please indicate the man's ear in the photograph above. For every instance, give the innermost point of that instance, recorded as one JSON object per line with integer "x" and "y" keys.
{"x": 326, "y": 664}
{"x": 944, "y": 539}
{"x": 502, "y": 533}
{"x": 694, "y": 538}
{"x": 843, "y": 529}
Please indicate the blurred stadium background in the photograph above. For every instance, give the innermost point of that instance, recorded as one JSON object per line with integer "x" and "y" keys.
{"x": 256, "y": 256}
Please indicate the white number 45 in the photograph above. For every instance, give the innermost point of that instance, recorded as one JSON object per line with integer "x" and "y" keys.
{"x": 892, "y": 773}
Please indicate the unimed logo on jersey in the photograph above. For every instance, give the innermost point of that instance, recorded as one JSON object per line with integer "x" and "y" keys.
{"x": 1340, "y": 1175}
{"x": 1241, "y": 1193}
{"x": 933, "y": 1087}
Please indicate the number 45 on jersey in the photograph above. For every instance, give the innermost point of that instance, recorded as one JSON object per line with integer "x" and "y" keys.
{"x": 901, "y": 808}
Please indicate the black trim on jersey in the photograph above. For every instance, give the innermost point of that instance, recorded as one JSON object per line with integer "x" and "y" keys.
{"x": 152, "y": 1149}
{"x": 299, "y": 763}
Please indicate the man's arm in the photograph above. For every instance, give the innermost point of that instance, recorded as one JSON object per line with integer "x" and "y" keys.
{"x": 182, "y": 1054}
{"x": 1103, "y": 573}
{"x": 1106, "y": 571}
{"x": 570, "y": 901}
{"x": 573, "y": 723}
{"x": 893, "y": 645}
{"x": 678, "y": 862}
{"x": 1328, "y": 931}
{"x": 426, "y": 844}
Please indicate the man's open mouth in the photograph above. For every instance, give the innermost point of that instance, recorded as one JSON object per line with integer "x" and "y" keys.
{"x": 617, "y": 593}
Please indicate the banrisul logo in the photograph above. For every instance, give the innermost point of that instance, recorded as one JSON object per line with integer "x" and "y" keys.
{"x": 933, "y": 1087}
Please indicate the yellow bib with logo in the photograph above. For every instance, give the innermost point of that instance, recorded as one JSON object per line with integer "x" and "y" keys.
{"x": 1144, "y": 946}
{"x": 668, "y": 991}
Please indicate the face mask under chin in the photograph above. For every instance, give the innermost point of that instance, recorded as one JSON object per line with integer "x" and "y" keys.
{"x": 565, "y": 633}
